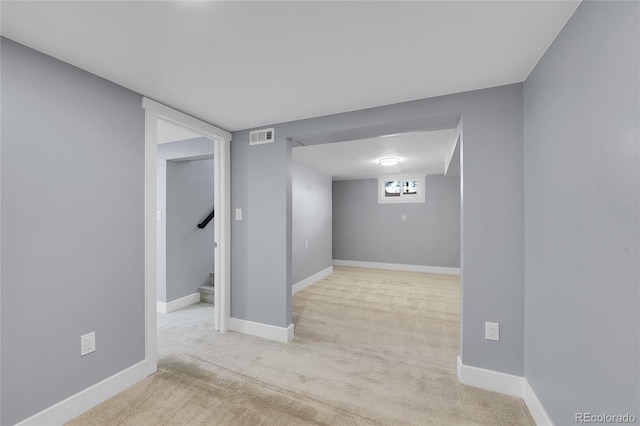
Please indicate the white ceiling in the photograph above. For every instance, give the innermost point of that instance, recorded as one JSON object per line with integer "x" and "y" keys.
{"x": 245, "y": 64}
{"x": 420, "y": 153}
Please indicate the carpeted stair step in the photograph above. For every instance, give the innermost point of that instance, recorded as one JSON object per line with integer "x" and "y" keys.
{"x": 206, "y": 291}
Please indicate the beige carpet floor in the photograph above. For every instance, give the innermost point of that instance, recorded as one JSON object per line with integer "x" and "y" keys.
{"x": 371, "y": 347}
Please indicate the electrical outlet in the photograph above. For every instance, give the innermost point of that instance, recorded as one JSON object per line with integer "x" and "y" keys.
{"x": 491, "y": 331}
{"x": 306, "y": 244}
{"x": 87, "y": 343}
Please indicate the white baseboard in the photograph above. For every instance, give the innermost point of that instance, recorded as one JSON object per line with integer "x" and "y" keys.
{"x": 489, "y": 379}
{"x": 536, "y": 408}
{"x": 312, "y": 279}
{"x": 266, "y": 331}
{"x": 290, "y": 332}
{"x": 77, "y": 404}
{"x": 174, "y": 305}
{"x": 505, "y": 383}
{"x": 398, "y": 267}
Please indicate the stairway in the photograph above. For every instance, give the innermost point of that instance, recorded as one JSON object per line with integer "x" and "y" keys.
{"x": 206, "y": 291}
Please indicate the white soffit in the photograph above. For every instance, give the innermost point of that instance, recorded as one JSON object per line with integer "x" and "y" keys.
{"x": 419, "y": 153}
{"x": 244, "y": 64}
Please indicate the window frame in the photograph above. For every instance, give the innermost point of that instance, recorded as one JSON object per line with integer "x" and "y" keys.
{"x": 419, "y": 197}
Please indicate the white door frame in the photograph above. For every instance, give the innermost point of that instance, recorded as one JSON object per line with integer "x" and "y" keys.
{"x": 222, "y": 223}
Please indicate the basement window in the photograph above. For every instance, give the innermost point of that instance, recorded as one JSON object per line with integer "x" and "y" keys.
{"x": 401, "y": 189}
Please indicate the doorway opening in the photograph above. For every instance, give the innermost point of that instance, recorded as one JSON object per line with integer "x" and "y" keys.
{"x": 185, "y": 219}
{"x": 157, "y": 116}
{"x": 371, "y": 224}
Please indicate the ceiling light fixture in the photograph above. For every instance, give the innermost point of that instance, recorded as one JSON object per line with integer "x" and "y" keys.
{"x": 390, "y": 161}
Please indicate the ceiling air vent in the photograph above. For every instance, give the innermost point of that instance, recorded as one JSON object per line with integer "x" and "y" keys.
{"x": 258, "y": 137}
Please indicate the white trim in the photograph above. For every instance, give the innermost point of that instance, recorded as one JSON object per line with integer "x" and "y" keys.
{"x": 536, "y": 408}
{"x": 311, "y": 280}
{"x": 222, "y": 224}
{"x": 398, "y": 267}
{"x": 222, "y": 232}
{"x": 505, "y": 383}
{"x": 150, "y": 237}
{"x": 72, "y": 407}
{"x": 290, "y": 332}
{"x": 174, "y": 305}
{"x": 489, "y": 379}
{"x": 266, "y": 331}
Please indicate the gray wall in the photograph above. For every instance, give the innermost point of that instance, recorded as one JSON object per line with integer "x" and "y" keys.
{"x": 492, "y": 235}
{"x": 189, "y": 248}
{"x": 310, "y": 221}
{"x": 196, "y": 148}
{"x": 365, "y": 230}
{"x": 260, "y": 242}
{"x": 72, "y": 165}
{"x": 582, "y": 189}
